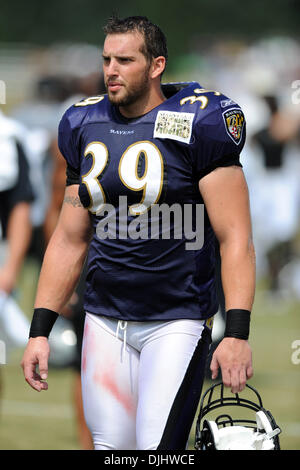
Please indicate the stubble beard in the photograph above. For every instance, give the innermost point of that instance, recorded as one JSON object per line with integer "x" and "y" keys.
{"x": 133, "y": 93}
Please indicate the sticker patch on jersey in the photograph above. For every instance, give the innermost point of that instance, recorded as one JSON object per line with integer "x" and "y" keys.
{"x": 234, "y": 121}
{"x": 174, "y": 125}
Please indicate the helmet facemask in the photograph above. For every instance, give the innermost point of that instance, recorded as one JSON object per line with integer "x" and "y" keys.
{"x": 226, "y": 432}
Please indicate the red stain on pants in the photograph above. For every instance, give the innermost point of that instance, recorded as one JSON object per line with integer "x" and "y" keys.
{"x": 106, "y": 381}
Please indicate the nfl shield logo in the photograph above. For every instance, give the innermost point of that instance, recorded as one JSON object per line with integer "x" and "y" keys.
{"x": 234, "y": 121}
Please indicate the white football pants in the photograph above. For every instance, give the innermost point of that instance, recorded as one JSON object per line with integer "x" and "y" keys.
{"x": 141, "y": 381}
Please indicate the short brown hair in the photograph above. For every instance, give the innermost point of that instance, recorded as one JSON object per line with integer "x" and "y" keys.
{"x": 155, "y": 43}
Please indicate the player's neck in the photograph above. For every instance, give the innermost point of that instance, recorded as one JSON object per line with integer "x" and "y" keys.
{"x": 145, "y": 104}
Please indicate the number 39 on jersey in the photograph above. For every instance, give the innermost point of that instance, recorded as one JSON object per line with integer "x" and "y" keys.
{"x": 150, "y": 182}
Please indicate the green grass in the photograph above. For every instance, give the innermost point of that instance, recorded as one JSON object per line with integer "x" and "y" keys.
{"x": 33, "y": 420}
{"x": 46, "y": 420}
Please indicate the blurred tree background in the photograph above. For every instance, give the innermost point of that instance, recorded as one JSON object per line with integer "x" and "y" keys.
{"x": 185, "y": 23}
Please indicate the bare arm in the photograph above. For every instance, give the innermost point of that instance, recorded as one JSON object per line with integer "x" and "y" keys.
{"x": 226, "y": 198}
{"x": 65, "y": 254}
{"x": 225, "y": 194}
{"x": 62, "y": 265}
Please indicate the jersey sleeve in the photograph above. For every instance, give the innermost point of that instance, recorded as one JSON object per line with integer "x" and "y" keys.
{"x": 72, "y": 176}
{"x": 219, "y": 139}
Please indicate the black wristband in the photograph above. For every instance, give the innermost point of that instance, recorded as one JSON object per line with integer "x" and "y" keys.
{"x": 42, "y": 322}
{"x": 237, "y": 323}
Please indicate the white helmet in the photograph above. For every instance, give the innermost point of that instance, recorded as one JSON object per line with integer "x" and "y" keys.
{"x": 226, "y": 433}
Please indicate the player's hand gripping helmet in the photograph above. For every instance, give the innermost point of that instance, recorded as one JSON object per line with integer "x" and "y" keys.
{"x": 226, "y": 433}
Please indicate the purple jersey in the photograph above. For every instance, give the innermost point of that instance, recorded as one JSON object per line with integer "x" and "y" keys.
{"x": 140, "y": 265}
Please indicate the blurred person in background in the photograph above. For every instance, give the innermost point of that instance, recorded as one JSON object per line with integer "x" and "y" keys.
{"x": 40, "y": 114}
{"x": 263, "y": 73}
{"x": 279, "y": 188}
{"x": 16, "y": 198}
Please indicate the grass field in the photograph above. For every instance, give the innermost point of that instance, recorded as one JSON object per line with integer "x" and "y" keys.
{"x": 31, "y": 420}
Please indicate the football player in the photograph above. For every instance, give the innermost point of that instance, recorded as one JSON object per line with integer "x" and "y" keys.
{"x": 150, "y": 291}
{"x": 16, "y": 198}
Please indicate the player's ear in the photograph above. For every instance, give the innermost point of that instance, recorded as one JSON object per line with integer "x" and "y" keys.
{"x": 158, "y": 66}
